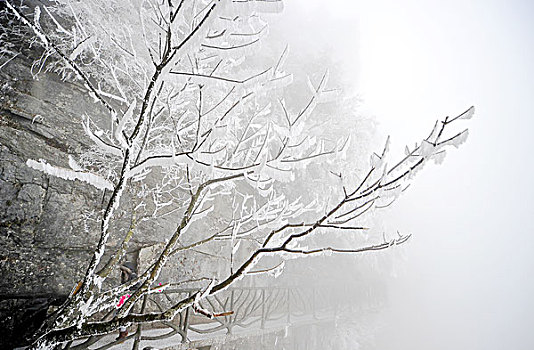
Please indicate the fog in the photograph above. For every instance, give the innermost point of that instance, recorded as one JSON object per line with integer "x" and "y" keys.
{"x": 464, "y": 280}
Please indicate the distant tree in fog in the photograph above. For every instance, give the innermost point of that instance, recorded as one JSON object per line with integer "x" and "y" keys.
{"x": 186, "y": 129}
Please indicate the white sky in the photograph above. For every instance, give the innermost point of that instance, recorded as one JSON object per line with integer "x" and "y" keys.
{"x": 468, "y": 282}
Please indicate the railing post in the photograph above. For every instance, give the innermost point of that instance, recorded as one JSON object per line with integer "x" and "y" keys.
{"x": 263, "y": 316}
{"x": 288, "y": 305}
{"x": 137, "y": 339}
{"x": 336, "y": 308}
{"x": 186, "y": 322}
{"x": 231, "y": 318}
{"x": 314, "y": 307}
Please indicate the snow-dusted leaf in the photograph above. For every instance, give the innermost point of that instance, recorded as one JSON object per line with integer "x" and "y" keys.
{"x": 426, "y": 148}
{"x": 468, "y": 114}
{"x": 456, "y": 140}
{"x": 376, "y": 161}
{"x": 439, "y": 157}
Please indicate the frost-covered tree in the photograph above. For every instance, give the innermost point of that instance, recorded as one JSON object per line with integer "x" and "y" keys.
{"x": 195, "y": 132}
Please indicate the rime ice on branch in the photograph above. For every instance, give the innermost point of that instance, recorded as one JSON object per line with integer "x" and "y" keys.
{"x": 192, "y": 126}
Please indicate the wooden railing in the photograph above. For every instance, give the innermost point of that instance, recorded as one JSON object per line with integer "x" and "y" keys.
{"x": 247, "y": 308}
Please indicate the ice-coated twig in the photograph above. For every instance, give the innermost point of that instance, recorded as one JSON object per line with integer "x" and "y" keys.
{"x": 48, "y": 43}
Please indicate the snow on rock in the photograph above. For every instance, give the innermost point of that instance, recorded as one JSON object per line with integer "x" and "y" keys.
{"x": 68, "y": 174}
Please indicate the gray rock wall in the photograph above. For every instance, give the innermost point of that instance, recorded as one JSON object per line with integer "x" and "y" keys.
{"x": 44, "y": 240}
{"x": 50, "y": 226}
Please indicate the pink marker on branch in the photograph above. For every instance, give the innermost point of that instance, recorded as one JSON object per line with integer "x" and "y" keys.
{"x": 123, "y": 299}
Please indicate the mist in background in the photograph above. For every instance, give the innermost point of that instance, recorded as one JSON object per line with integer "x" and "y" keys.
{"x": 466, "y": 278}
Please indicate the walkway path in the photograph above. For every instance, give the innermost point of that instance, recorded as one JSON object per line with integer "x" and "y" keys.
{"x": 255, "y": 312}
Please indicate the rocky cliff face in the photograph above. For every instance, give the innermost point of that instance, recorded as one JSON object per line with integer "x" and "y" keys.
{"x": 45, "y": 238}
{"x": 42, "y": 225}
{"x": 49, "y": 226}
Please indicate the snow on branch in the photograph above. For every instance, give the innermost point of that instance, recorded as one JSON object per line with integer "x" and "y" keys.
{"x": 364, "y": 196}
{"x": 191, "y": 114}
{"x": 264, "y": 6}
{"x": 120, "y": 136}
{"x": 97, "y": 139}
{"x": 198, "y": 298}
{"x": 274, "y": 271}
{"x": 48, "y": 43}
{"x": 329, "y": 250}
